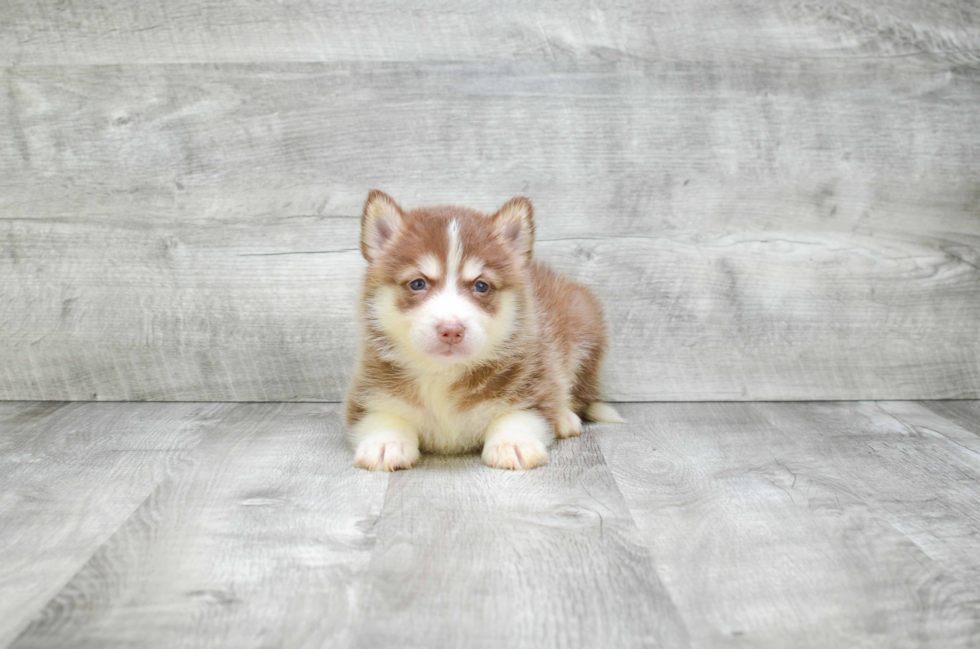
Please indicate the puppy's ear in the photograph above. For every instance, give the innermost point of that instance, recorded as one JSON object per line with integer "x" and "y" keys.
{"x": 515, "y": 225}
{"x": 380, "y": 223}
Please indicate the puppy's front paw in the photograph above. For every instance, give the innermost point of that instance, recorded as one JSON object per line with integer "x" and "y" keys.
{"x": 386, "y": 454}
{"x": 514, "y": 453}
{"x": 569, "y": 425}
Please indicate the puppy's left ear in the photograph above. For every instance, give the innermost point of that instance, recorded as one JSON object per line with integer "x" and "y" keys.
{"x": 515, "y": 225}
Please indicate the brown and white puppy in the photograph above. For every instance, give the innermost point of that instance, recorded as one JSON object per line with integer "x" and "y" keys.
{"x": 466, "y": 341}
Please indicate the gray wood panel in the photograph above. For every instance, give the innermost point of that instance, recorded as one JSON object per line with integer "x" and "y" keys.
{"x": 255, "y": 542}
{"x": 782, "y": 525}
{"x": 966, "y": 414}
{"x": 44, "y": 32}
{"x": 795, "y": 228}
{"x": 713, "y": 524}
{"x": 915, "y": 471}
{"x": 70, "y": 475}
{"x": 271, "y": 538}
{"x": 958, "y": 421}
{"x": 469, "y": 556}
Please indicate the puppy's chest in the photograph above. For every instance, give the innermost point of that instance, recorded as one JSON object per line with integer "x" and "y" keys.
{"x": 442, "y": 422}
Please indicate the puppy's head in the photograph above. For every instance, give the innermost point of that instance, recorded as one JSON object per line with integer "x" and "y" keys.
{"x": 445, "y": 285}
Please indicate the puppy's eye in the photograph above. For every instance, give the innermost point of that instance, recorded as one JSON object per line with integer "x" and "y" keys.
{"x": 417, "y": 284}
{"x": 481, "y": 287}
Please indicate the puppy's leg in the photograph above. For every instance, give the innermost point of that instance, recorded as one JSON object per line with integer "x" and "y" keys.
{"x": 586, "y": 384}
{"x": 569, "y": 425}
{"x": 517, "y": 440}
{"x": 384, "y": 443}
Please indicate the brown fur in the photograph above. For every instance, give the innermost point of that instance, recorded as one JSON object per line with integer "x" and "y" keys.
{"x": 549, "y": 363}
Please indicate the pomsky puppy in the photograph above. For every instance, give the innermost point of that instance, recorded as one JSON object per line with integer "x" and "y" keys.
{"x": 466, "y": 342}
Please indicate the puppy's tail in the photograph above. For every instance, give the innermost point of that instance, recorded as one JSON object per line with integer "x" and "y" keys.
{"x": 599, "y": 411}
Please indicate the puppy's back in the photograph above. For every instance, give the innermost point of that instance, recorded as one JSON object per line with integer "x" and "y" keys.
{"x": 573, "y": 320}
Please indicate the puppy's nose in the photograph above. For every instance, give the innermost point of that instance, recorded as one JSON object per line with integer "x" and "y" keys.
{"x": 450, "y": 332}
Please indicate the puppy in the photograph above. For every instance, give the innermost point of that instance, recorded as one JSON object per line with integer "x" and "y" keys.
{"x": 466, "y": 342}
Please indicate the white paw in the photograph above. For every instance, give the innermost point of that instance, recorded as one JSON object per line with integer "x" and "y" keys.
{"x": 514, "y": 453}
{"x": 386, "y": 454}
{"x": 569, "y": 425}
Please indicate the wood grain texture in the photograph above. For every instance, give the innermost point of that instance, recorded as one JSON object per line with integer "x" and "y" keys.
{"x": 965, "y": 414}
{"x": 469, "y": 556}
{"x": 708, "y": 524}
{"x": 44, "y": 32}
{"x": 784, "y": 525}
{"x": 271, "y": 538}
{"x": 70, "y": 475}
{"x": 913, "y": 470}
{"x": 787, "y": 229}
{"x": 957, "y": 423}
{"x": 255, "y": 542}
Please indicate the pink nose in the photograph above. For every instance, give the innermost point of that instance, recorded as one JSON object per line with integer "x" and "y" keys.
{"x": 450, "y": 332}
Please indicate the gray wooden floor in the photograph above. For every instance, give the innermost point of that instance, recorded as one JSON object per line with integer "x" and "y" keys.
{"x": 697, "y": 524}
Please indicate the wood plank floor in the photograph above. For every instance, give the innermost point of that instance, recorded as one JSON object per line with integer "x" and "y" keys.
{"x": 831, "y": 524}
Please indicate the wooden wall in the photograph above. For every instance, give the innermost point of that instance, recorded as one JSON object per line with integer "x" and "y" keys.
{"x": 776, "y": 200}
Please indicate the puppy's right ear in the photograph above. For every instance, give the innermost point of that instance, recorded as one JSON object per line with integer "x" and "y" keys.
{"x": 381, "y": 221}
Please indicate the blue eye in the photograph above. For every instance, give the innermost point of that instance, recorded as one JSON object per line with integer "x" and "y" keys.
{"x": 481, "y": 287}
{"x": 417, "y": 284}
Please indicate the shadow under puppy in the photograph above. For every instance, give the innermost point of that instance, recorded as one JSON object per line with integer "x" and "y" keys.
{"x": 466, "y": 342}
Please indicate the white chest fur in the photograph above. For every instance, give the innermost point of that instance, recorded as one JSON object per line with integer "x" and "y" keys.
{"x": 441, "y": 423}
